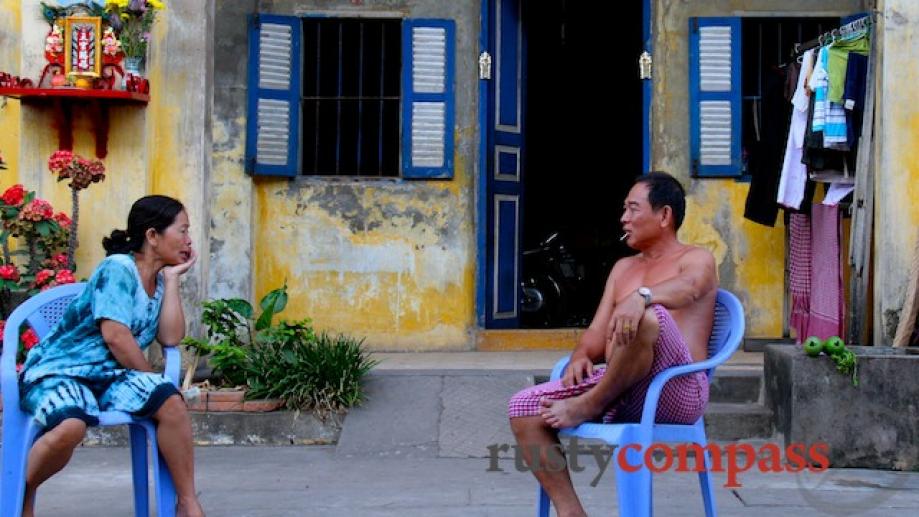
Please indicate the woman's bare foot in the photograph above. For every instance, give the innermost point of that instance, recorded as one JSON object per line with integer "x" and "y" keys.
{"x": 566, "y": 412}
{"x": 189, "y": 508}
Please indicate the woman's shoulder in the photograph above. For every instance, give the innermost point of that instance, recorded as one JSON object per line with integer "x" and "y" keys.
{"x": 117, "y": 264}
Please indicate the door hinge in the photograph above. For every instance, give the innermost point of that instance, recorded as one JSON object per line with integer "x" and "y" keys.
{"x": 484, "y": 65}
{"x": 644, "y": 65}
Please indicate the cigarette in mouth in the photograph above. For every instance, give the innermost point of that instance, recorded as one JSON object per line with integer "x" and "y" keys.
{"x": 624, "y": 236}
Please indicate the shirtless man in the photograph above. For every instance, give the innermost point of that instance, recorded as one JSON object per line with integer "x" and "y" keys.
{"x": 656, "y": 312}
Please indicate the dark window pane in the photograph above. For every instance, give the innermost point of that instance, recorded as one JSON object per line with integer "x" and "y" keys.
{"x": 349, "y": 126}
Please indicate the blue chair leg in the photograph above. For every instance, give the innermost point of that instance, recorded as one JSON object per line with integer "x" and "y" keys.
{"x": 165, "y": 489}
{"x": 139, "y": 469}
{"x": 705, "y": 483}
{"x": 633, "y": 489}
{"x": 16, "y": 449}
{"x": 542, "y": 503}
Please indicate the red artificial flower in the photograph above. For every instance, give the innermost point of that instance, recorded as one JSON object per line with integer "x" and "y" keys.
{"x": 43, "y": 276}
{"x": 2, "y": 328}
{"x": 64, "y": 222}
{"x": 14, "y": 195}
{"x": 37, "y": 210}
{"x": 59, "y": 260}
{"x": 29, "y": 339}
{"x": 64, "y": 276}
{"x": 9, "y": 272}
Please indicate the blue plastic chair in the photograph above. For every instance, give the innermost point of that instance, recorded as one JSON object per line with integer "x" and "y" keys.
{"x": 42, "y": 312}
{"x": 634, "y": 488}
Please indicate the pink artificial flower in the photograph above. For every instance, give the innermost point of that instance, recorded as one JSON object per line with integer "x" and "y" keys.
{"x": 44, "y": 276}
{"x": 19, "y": 367}
{"x": 29, "y": 339}
{"x": 9, "y": 272}
{"x": 64, "y": 276}
{"x": 64, "y": 222}
{"x": 60, "y": 162}
{"x": 37, "y": 210}
{"x": 59, "y": 260}
{"x": 14, "y": 195}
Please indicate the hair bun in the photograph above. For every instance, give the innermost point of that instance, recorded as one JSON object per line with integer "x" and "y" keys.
{"x": 117, "y": 242}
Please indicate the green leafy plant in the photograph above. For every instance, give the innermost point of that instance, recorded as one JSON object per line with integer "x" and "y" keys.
{"x": 309, "y": 371}
{"x": 229, "y": 333}
{"x": 287, "y": 360}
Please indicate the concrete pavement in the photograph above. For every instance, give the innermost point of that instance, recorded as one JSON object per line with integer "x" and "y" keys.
{"x": 318, "y": 480}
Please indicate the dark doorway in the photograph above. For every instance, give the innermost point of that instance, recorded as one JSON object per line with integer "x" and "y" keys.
{"x": 582, "y": 150}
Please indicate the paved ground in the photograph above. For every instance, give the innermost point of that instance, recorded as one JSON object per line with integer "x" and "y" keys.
{"x": 419, "y": 447}
{"x": 298, "y": 481}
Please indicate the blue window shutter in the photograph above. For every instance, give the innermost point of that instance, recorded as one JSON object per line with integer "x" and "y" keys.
{"x": 715, "y": 100}
{"x": 273, "y": 124}
{"x": 427, "y": 98}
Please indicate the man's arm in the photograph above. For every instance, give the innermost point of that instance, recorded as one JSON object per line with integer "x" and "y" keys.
{"x": 592, "y": 343}
{"x": 124, "y": 347}
{"x": 697, "y": 278}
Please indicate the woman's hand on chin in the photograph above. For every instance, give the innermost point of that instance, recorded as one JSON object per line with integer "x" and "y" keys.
{"x": 180, "y": 269}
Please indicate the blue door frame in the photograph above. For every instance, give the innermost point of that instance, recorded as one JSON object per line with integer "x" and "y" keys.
{"x": 485, "y": 276}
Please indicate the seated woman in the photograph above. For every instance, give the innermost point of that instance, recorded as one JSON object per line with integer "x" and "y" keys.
{"x": 93, "y": 359}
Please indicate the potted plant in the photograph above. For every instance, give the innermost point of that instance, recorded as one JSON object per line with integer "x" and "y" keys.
{"x": 272, "y": 365}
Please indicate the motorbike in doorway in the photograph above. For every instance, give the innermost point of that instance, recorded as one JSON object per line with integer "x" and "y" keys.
{"x": 552, "y": 286}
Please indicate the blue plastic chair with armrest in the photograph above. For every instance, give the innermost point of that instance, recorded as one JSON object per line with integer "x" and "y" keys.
{"x": 634, "y": 489}
{"x": 20, "y": 430}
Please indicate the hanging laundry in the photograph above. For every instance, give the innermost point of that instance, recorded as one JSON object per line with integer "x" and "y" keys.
{"x": 818, "y": 84}
{"x": 794, "y": 173}
{"x": 854, "y": 96}
{"x": 766, "y": 155}
{"x": 837, "y": 58}
{"x": 826, "y": 302}
{"x": 799, "y": 276}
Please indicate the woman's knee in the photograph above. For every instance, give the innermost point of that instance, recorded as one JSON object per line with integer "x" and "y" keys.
{"x": 66, "y": 435}
{"x": 172, "y": 410}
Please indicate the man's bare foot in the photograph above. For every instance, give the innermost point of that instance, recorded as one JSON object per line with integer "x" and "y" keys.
{"x": 189, "y": 508}
{"x": 567, "y": 412}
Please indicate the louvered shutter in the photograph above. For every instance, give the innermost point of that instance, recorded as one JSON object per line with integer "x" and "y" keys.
{"x": 715, "y": 96}
{"x": 273, "y": 125}
{"x": 428, "y": 98}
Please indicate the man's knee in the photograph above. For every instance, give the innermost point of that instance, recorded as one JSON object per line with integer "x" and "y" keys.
{"x": 649, "y": 328}
{"x": 172, "y": 410}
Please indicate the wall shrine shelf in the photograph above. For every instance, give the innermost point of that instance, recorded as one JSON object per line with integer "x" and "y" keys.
{"x": 62, "y": 101}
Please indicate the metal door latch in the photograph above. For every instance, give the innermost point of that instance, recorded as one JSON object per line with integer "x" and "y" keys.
{"x": 485, "y": 65}
{"x": 644, "y": 65}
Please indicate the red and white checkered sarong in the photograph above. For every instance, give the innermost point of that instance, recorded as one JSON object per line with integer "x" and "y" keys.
{"x": 682, "y": 400}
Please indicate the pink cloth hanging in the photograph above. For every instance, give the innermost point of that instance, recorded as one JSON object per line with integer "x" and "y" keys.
{"x": 826, "y": 301}
{"x": 799, "y": 281}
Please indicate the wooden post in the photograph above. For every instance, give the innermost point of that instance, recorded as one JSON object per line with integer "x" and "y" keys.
{"x": 863, "y": 211}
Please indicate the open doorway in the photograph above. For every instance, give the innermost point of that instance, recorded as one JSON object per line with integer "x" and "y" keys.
{"x": 578, "y": 171}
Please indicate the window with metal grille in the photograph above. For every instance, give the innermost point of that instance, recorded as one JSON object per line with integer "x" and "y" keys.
{"x": 351, "y": 97}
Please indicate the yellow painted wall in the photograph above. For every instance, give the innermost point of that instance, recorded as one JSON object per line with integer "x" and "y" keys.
{"x": 897, "y": 180}
{"x": 9, "y": 110}
{"x": 750, "y": 256}
{"x": 386, "y": 259}
{"x": 158, "y": 148}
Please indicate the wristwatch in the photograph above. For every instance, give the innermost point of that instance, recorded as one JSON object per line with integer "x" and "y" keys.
{"x": 646, "y": 294}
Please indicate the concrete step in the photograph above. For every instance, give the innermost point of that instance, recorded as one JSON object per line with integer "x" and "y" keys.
{"x": 736, "y": 385}
{"x": 730, "y": 421}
